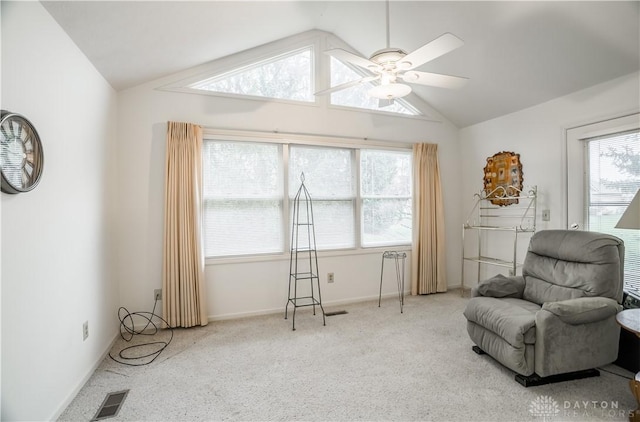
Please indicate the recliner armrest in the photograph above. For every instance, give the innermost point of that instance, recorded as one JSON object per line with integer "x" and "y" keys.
{"x": 500, "y": 286}
{"x": 583, "y": 310}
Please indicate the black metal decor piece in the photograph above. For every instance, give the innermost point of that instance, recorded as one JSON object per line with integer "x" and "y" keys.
{"x": 303, "y": 264}
{"x": 399, "y": 258}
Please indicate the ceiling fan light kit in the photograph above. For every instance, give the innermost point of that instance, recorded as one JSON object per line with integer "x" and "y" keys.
{"x": 390, "y": 91}
{"x": 389, "y": 64}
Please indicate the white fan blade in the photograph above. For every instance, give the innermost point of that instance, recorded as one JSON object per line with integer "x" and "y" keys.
{"x": 434, "y": 79}
{"x": 345, "y": 56}
{"x": 436, "y": 48}
{"x": 347, "y": 85}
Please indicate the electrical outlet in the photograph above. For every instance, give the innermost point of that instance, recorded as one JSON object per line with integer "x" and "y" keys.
{"x": 546, "y": 215}
{"x": 85, "y": 330}
{"x": 157, "y": 294}
{"x": 329, "y": 277}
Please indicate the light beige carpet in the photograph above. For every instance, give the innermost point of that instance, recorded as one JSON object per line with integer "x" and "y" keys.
{"x": 370, "y": 364}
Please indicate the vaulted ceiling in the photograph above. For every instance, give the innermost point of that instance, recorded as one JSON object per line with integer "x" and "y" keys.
{"x": 516, "y": 54}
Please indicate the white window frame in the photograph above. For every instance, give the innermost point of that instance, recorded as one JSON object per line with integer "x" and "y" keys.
{"x": 353, "y": 199}
{"x": 276, "y": 198}
{"x": 184, "y": 80}
{"x": 362, "y": 198}
{"x": 312, "y": 140}
{"x": 236, "y": 71}
{"x": 576, "y": 186}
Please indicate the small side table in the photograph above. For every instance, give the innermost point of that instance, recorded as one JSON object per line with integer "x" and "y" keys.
{"x": 629, "y": 319}
{"x": 399, "y": 258}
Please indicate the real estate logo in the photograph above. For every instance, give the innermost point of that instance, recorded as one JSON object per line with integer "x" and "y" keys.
{"x": 544, "y": 407}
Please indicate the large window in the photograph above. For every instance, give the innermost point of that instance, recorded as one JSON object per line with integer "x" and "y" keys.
{"x": 243, "y": 206}
{"x": 385, "y": 191}
{"x": 245, "y": 199}
{"x": 328, "y": 176}
{"x": 613, "y": 179}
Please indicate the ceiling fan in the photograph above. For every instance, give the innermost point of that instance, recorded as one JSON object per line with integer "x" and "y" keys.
{"x": 392, "y": 64}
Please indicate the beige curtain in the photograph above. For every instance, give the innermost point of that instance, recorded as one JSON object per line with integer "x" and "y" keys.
{"x": 428, "y": 273}
{"x": 183, "y": 302}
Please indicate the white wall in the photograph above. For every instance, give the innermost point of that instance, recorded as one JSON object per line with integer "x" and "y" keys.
{"x": 538, "y": 135}
{"x": 56, "y": 261}
{"x": 58, "y": 266}
{"x": 246, "y": 288}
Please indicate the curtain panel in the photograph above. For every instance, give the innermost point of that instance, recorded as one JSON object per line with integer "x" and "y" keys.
{"x": 183, "y": 258}
{"x": 428, "y": 268}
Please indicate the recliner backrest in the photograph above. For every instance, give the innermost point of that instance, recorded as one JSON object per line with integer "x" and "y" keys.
{"x": 567, "y": 264}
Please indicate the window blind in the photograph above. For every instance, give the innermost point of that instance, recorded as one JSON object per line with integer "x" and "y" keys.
{"x": 245, "y": 202}
{"x": 385, "y": 186}
{"x": 243, "y": 193}
{"x": 329, "y": 178}
{"x": 613, "y": 179}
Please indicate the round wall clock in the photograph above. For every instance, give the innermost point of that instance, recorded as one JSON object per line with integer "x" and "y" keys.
{"x": 21, "y": 155}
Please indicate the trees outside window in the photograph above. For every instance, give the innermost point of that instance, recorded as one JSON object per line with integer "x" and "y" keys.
{"x": 386, "y": 197}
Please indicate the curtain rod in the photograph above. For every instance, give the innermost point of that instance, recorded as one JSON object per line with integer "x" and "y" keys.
{"x": 305, "y": 137}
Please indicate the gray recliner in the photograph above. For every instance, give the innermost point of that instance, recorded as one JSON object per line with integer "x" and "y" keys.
{"x": 557, "y": 320}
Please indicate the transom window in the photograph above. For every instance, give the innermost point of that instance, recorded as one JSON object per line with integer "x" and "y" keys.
{"x": 292, "y": 70}
{"x": 244, "y": 198}
{"x": 288, "y": 76}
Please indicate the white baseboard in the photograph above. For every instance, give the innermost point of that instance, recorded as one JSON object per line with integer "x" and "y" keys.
{"x": 72, "y": 395}
{"x": 237, "y": 315}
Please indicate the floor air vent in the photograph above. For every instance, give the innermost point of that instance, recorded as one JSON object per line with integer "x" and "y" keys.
{"x": 111, "y": 405}
{"x": 335, "y": 313}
